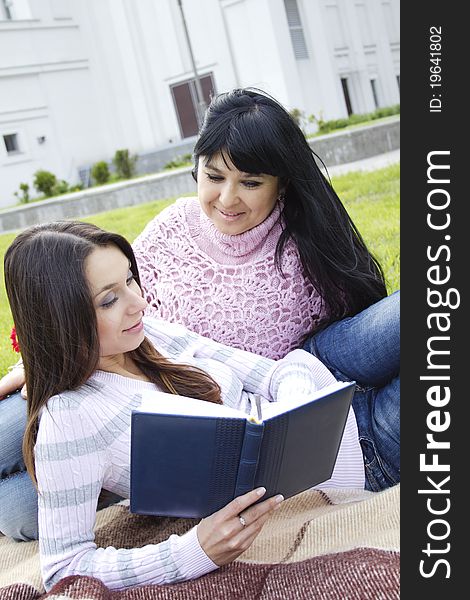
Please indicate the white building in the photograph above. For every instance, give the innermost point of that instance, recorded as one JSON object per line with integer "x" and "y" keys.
{"x": 80, "y": 79}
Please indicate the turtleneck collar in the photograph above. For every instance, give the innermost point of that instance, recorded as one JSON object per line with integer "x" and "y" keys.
{"x": 243, "y": 243}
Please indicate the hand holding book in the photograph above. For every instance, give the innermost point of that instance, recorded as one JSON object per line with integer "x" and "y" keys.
{"x": 225, "y": 535}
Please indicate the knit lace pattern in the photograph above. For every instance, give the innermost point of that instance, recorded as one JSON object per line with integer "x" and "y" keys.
{"x": 226, "y": 287}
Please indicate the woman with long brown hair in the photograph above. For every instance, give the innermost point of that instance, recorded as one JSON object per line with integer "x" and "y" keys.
{"x": 88, "y": 355}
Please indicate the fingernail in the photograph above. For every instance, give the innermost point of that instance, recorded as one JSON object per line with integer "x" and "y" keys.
{"x": 279, "y": 498}
{"x": 260, "y": 491}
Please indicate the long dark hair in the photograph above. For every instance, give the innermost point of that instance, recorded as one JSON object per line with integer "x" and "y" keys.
{"x": 56, "y": 324}
{"x": 258, "y": 135}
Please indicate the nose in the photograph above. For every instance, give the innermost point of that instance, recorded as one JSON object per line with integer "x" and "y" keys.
{"x": 137, "y": 302}
{"x": 228, "y": 195}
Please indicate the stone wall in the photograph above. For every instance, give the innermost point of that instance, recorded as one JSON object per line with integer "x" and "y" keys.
{"x": 334, "y": 149}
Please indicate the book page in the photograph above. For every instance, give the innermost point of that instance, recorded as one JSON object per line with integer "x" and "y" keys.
{"x": 172, "y": 404}
{"x": 277, "y": 408}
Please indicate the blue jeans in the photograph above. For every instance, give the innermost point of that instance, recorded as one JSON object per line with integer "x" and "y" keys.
{"x": 366, "y": 349}
{"x": 18, "y": 496}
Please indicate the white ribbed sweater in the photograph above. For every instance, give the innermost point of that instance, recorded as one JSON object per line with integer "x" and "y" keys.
{"x": 83, "y": 445}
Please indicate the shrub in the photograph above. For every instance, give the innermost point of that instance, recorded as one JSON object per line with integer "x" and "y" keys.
{"x": 61, "y": 187}
{"x": 100, "y": 172}
{"x": 297, "y": 115}
{"x": 387, "y": 111}
{"x": 301, "y": 118}
{"x": 327, "y": 126}
{"x": 124, "y": 164}
{"x": 179, "y": 161}
{"x": 44, "y": 182}
{"x": 332, "y": 124}
{"x": 24, "y": 198}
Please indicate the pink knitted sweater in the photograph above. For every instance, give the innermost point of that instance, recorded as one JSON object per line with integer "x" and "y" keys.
{"x": 226, "y": 287}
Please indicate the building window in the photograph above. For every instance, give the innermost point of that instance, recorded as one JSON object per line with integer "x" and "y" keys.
{"x": 295, "y": 29}
{"x": 347, "y": 98}
{"x": 186, "y": 103}
{"x": 11, "y": 143}
{"x": 373, "y": 85}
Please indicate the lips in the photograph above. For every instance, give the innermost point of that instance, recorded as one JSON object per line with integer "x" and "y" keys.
{"x": 230, "y": 215}
{"x": 137, "y": 327}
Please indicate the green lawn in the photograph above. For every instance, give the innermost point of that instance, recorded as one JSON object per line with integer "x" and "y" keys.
{"x": 371, "y": 198}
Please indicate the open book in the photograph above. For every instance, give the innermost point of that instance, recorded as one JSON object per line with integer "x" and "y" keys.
{"x": 189, "y": 458}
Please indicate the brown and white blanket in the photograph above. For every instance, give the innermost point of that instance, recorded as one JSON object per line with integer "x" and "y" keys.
{"x": 341, "y": 545}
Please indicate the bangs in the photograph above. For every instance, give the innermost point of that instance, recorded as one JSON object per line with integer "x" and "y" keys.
{"x": 241, "y": 140}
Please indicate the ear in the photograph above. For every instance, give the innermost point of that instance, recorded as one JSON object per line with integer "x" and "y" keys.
{"x": 283, "y": 183}
{"x": 195, "y": 168}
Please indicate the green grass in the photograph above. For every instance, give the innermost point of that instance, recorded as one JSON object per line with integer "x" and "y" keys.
{"x": 373, "y": 202}
{"x": 371, "y": 198}
{"x": 129, "y": 222}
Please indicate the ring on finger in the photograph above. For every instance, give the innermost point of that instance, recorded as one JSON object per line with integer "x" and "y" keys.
{"x": 242, "y": 521}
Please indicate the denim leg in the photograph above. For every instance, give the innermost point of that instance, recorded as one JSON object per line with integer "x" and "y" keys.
{"x": 19, "y": 507}
{"x": 18, "y": 496}
{"x": 12, "y": 425}
{"x": 364, "y": 348}
{"x": 377, "y": 414}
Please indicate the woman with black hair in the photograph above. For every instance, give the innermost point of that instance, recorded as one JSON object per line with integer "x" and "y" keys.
{"x": 267, "y": 259}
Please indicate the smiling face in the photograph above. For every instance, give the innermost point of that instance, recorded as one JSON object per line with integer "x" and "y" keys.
{"x": 234, "y": 201}
{"x": 118, "y": 303}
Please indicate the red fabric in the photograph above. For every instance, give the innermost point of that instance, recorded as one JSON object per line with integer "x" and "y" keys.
{"x": 355, "y": 575}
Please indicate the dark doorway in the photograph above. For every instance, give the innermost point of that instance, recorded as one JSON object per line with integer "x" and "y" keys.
{"x": 347, "y": 98}
{"x": 186, "y": 105}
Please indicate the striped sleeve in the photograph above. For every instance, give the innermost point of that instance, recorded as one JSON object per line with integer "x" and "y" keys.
{"x": 71, "y": 463}
{"x": 299, "y": 373}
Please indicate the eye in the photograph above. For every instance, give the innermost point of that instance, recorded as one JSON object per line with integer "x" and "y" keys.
{"x": 252, "y": 184}
{"x": 130, "y": 278}
{"x": 108, "y": 301}
{"x": 214, "y": 178}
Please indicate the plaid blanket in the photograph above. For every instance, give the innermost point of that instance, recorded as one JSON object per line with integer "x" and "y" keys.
{"x": 341, "y": 545}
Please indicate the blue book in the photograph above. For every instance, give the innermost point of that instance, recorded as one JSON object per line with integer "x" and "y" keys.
{"x": 189, "y": 458}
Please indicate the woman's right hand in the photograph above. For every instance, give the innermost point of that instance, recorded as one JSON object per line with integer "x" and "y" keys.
{"x": 223, "y": 537}
{"x": 12, "y": 381}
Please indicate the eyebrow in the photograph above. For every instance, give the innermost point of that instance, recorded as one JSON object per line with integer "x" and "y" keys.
{"x": 209, "y": 165}
{"x": 107, "y": 287}
{"x": 110, "y": 286}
